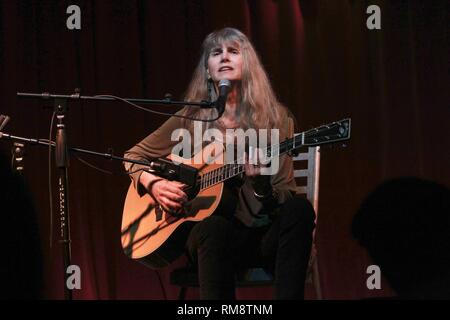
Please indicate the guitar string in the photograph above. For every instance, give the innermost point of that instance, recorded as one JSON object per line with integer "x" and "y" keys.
{"x": 215, "y": 176}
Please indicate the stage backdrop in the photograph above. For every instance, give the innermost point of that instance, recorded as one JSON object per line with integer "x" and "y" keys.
{"x": 323, "y": 62}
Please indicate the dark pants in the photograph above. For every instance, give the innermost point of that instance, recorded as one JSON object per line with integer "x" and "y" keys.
{"x": 222, "y": 246}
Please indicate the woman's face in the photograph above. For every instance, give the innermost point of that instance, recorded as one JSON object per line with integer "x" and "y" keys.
{"x": 225, "y": 62}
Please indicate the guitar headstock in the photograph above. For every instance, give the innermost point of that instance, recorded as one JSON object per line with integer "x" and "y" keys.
{"x": 329, "y": 133}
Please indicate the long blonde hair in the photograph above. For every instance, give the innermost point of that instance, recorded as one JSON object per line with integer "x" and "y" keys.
{"x": 258, "y": 106}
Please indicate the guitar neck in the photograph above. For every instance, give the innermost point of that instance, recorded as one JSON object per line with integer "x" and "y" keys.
{"x": 231, "y": 170}
{"x": 333, "y": 132}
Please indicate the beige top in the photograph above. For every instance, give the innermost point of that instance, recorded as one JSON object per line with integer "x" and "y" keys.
{"x": 158, "y": 144}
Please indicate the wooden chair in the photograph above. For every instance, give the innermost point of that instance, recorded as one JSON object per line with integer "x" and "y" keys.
{"x": 311, "y": 190}
{"x": 188, "y": 277}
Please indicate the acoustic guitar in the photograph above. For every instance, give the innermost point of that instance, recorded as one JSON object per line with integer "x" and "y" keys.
{"x": 156, "y": 237}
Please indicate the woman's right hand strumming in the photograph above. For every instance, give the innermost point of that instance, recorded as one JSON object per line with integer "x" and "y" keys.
{"x": 168, "y": 194}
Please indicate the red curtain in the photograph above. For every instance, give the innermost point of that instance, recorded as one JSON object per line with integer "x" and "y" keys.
{"x": 323, "y": 62}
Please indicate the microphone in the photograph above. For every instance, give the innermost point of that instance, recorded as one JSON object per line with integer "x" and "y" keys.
{"x": 224, "y": 89}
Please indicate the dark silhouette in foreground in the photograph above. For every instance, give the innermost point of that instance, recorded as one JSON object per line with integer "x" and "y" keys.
{"x": 405, "y": 226}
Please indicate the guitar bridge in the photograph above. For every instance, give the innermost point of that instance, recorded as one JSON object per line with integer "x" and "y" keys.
{"x": 158, "y": 212}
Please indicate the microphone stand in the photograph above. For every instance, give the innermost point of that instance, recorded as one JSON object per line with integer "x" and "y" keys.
{"x": 62, "y": 163}
{"x": 157, "y": 166}
{"x": 163, "y": 167}
{"x": 77, "y": 96}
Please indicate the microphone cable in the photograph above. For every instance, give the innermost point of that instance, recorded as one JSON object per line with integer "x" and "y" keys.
{"x": 157, "y": 112}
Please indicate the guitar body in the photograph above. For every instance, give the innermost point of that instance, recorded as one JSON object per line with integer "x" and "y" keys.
{"x": 156, "y": 237}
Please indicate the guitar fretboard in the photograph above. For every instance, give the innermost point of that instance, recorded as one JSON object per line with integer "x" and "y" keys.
{"x": 336, "y": 131}
{"x": 220, "y": 174}
{"x": 230, "y": 170}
